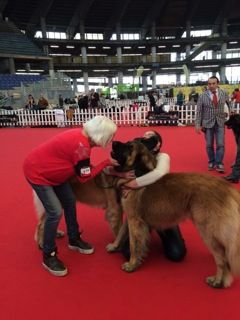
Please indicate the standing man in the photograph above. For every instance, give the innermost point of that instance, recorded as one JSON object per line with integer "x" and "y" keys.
{"x": 210, "y": 118}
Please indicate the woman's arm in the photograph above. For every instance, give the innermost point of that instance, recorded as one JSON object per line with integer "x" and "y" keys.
{"x": 162, "y": 168}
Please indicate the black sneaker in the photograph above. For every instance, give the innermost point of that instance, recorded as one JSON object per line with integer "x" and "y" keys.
{"x": 80, "y": 245}
{"x": 231, "y": 179}
{"x": 54, "y": 265}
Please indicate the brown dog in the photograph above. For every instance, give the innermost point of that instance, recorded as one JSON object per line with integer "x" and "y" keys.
{"x": 210, "y": 202}
{"x": 99, "y": 192}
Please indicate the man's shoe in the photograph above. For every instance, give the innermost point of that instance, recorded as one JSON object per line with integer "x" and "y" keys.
{"x": 220, "y": 168}
{"x": 53, "y": 264}
{"x": 211, "y": 166}
{"x": 80, "y": 245}
{"x": 231, "y": 179}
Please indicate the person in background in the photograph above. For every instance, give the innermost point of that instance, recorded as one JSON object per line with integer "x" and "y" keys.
{"x": 30, "y": 104}
{"x": 210, "y": 118}
{"x": 42, "y": 103}
{"x": 236, "y": 96}
{"x": 172, "y": 240}
{"x": 193, "y": 96}
{"x": 48, "y": 168}
{"x": 152, "y": 100}
{"x": 60, "y": 101}
{"x": 180, "y": 98}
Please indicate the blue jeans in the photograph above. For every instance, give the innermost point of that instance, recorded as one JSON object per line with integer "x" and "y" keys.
{"x": 54, "y": 198}
{"x": 218, "y": 133}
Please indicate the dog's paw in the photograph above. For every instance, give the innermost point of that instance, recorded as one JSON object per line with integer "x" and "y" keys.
{"x": 214, "y": 282}
{"x": 128, "y": 267}
{"x": 111, "y": 247}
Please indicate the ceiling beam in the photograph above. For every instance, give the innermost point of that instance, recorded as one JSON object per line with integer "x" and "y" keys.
{"x": 40, "y": 11}
{"x": 223, "y": 13}
{"x": 189, "y": 14}
{"x": 116, "y": 18}
{"x": 80, "y": 14}
{"x": 3, "y": 4}
{"x": 152, "y": 15}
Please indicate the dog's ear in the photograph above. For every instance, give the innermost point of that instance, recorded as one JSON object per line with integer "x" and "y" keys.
{"x": 141, "y": 158}
{"x": 150, "y": 143}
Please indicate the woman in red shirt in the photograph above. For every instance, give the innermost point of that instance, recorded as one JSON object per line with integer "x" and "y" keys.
{"x": 49, "y": 166}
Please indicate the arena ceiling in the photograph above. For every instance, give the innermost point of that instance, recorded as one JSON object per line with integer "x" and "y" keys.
{"x": 102, "y": 16}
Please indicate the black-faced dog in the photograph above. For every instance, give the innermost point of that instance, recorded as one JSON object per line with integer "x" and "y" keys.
{"x": 210, "y": 202}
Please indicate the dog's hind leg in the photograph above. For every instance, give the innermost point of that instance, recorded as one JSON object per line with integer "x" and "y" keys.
{"x": 139, "y": 237}
{"x": 223, "y": 277}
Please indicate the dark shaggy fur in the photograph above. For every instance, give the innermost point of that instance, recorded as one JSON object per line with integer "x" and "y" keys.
{"x": 210, "y": 202}
{"x": 234, "y": 123}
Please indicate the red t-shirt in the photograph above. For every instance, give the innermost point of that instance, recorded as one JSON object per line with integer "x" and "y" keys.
{"x": 53, "y": 162}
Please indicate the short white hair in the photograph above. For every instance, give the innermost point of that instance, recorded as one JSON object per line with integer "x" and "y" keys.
{"x": 100, "y": 130}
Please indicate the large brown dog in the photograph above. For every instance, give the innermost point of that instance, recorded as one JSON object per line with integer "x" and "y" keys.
{"x": 99, "y": 192}
{"x": 210, "y": 202}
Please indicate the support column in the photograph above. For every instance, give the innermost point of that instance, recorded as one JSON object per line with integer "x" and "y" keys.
{"x": 28, "y": 67}
{"x": 51, "y": 68}
{"x": 43, "y": 27}
{"x": 119, "y": 52}
{"x": 75, "y": 87}
{"x": 178, "y": 75}
{"x": 214, "y": 56}
{"x": 84, "y": 55}
{"x": 223, "y": 68}
{"x": 110, "y": 82}
{"x": 119, "y": 60}
{"x": 154, "y": 74}
{"x": 12, "y": 69}
{"x": 85, "y": 79}
{"x": 144, "y": 84}
{"x": 82, "y": 30}
{"x": 154, "y": 54}
{"x": 85, "y": 74}
{"x": 120, "y": 77}
{"x": 188, "y": 35}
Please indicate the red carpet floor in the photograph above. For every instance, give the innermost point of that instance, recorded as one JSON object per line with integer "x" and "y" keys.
{"x": 96, "y": 288}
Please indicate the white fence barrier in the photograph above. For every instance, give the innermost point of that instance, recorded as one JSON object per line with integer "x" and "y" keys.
{"x": 122, "y": 116}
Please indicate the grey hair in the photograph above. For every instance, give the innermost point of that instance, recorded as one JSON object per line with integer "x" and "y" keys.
{"x": 100, "y": 130}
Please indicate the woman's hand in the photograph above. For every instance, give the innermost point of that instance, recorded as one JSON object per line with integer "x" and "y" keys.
{"x": 127, "y": 175}
{"x": 114, "y": 162}
{"x": 129, "y": 186}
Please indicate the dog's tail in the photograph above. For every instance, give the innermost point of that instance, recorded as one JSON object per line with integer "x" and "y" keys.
{"x": 40, "y": 211}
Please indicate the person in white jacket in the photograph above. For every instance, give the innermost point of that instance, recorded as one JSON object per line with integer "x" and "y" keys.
{"x": 172, "y": 240}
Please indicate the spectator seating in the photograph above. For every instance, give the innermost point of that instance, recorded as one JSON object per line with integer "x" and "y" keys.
{"x": 18, "y": 44}
{"x": 9, "y": 81}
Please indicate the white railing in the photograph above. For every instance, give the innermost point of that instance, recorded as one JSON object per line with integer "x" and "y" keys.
{"x": 122, "y": 116}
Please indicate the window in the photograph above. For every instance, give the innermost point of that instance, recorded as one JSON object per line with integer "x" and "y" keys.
{"x": 198, "y": 33}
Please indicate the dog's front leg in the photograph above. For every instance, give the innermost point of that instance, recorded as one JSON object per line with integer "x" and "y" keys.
{"x": 120, "y": 239}
{"x": 138, "y": 236}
